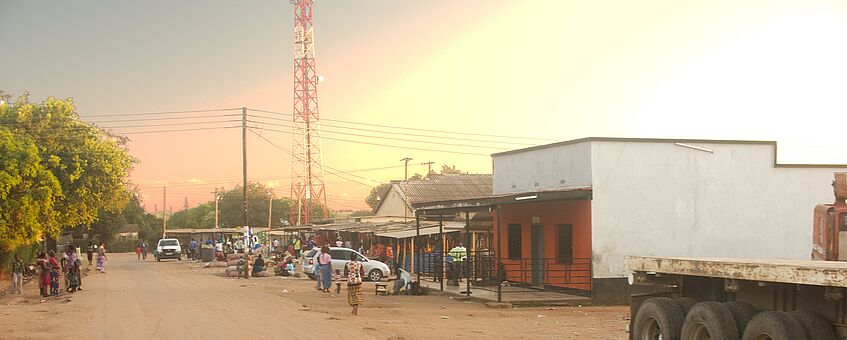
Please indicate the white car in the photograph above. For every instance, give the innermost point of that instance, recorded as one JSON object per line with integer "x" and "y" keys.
{"x": 168, "y": 248}
{"x": 374, "y": 270}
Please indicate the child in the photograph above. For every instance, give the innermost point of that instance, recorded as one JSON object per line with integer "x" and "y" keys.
{"x": 337, "y": 279}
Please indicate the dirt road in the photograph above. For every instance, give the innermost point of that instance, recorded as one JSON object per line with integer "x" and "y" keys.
{"x": 181, "y": 300}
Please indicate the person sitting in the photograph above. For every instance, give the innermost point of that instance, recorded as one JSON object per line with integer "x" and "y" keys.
{"x": 401, "y": 280}
{"x": 258, "y": 265}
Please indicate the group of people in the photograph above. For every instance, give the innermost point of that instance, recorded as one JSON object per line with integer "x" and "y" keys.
{"x": 355, "y": 274}
{"x": 141, "y": 251}
{"x": 50, "y": 270}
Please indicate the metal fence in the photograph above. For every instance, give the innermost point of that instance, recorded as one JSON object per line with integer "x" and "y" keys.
{"x": 483, "y": 270}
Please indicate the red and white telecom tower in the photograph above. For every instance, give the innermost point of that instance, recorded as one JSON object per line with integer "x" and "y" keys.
{"x": 307, "y": 184}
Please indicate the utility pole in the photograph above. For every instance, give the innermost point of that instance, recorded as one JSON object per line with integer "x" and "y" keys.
{"x": 165, "y": 211}
{"x": 406, "y": 171}
{"x": 428, "y": 167}
{"x": 217, "y": 199}
{"x": 270, "y": 209}
{"x": 244, "y": 162}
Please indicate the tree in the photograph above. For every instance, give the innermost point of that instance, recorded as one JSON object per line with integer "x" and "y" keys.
{"x": 90, "y": 164}
{"x": 447, "y": 170}
{"x": 27, "y": 192}
{"x": 376, "y": 195}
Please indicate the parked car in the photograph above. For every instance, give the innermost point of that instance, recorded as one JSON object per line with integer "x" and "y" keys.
{"x": 374, "y": 270}
{"x": 168, "y": 248}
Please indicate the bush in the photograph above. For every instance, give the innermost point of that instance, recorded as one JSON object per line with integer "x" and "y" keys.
{"x": 120, "y": 246}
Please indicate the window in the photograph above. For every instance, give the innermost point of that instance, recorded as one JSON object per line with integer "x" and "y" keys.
{"x": 565, "y": 251}
{"x": 514, "y": 241}
{"x": 338, "y": 254}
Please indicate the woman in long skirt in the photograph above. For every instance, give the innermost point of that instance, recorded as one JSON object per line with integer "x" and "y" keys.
{"x": 326, "y": 268}
{"x": 101, "y": 258}
{"x": 355, "y": 272}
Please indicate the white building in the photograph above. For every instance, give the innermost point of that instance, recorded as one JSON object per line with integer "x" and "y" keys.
{"x": 663, "y": 197}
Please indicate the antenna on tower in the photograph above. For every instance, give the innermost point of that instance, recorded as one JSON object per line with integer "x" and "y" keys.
{"x": 307, "y": 184}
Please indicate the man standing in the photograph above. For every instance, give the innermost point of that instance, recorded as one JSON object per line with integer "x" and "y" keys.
{"x": 90, "y": 253}
{"x": 192, "y": 249}
{"x": 459, "y": 254}
{"x": 144, "y": 250}
{"x": 297, "y": 246}
{"x": 17, "y": 274}
{"x": 311, "y": 243}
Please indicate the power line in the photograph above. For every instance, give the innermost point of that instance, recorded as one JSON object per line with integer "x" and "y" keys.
{"x": 402, "y": 133}
{"x": 160, "y": 112}
{"x": 387, "y": 145}
{"x": 157, "y": 119}
{"x": 326, "y": 168}
{"x": 179, "y": 130}
{"x": 391, "y": 138}
{"x": 415, "y": 129}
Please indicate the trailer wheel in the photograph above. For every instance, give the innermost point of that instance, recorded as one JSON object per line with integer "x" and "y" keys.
{"x": 685, "y": 303}
{"x": 774, "y": 325}
{"x": 742, "y": 312}
{"x": 816, "y": 326}
{"x": 709, "y": 320}
{"x": 658, "y": 318}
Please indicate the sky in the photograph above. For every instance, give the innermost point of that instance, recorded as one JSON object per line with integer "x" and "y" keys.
{"x": 543, "y": 71}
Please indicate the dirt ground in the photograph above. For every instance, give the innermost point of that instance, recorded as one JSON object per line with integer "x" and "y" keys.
{"x": 182, "y": 300}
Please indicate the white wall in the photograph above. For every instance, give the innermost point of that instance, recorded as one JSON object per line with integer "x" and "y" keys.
{"x": 547, "y": 167}
{"x": 666, "y": 200}
{"x": 394, "y": 205}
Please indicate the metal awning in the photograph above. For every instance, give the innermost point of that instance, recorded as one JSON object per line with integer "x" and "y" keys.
{"x": 489, "y": 202}
{"x": 423, "y": 231}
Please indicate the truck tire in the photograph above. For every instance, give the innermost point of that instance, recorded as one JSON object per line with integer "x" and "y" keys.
{"x": 686, "y": 303}
{"x": 816, "y": 326}
{"x": 709, "y": 320}
{"x": 774, "y": 325}
{"x": 658, "y": 316}
{"x": 742, "y": 312}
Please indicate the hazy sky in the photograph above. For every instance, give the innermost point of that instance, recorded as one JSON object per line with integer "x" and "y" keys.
{"x": 556, "y": 70}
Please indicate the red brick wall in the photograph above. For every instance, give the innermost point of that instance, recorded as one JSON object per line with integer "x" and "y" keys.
{"x": 551, "y": 214}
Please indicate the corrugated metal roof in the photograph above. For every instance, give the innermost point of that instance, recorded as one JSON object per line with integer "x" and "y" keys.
{"x": 446, "y": 188}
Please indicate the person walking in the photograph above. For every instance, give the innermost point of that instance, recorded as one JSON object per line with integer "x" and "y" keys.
{"x": 17, "y": 274}
{"x": 326, "y": 268}
{"x": 143, "y": 250}
{"x": 90, "y": 253}
{"x": 101, "y": 258}
{"x": 355, "y": 272}
{"x": 339, "y": 242}
{"x": 138, "y": 251}
{"x": 44, "y": 276}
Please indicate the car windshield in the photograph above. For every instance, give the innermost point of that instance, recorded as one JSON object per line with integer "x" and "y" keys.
{"x": 169, "y": 243}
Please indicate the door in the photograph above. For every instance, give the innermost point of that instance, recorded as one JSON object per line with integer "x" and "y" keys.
{"x": 537, "y": 263}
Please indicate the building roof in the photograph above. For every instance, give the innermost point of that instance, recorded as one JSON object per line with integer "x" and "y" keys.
{"x": 670, "y": 140}
{"x": 128, "y": 228}
{"x": 446, "y": 187}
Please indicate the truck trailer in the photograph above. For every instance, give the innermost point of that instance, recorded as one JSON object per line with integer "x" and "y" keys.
{"x": 748, "y": 299}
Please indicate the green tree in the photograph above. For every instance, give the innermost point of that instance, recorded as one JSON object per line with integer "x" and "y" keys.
{"x": 231, "y": 205}
{"x": 91, "y": 165}
{"x": 376, "y": 194}
{"x": 27, "y": 193}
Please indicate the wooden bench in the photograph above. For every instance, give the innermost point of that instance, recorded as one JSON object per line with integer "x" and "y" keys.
{"x": 381, "y": 289}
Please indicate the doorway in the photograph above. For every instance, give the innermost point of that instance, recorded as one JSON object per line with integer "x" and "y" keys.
{"x": 537, "y": 254}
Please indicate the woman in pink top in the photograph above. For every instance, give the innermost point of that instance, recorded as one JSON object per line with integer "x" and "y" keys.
{"x": 325, "y": 260}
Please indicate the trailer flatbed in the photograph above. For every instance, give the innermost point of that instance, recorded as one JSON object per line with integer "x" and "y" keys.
{"x": 815, "y": 273}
